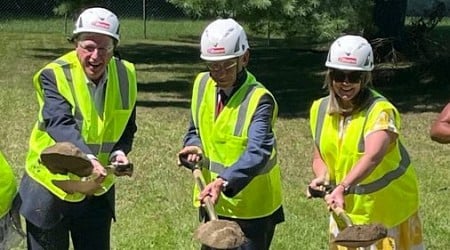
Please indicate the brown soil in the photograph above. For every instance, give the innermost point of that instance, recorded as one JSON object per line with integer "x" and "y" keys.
{"x": 361, "y": 235}
{"x": 220, "y": 234}
{"x": 64, "y": 157}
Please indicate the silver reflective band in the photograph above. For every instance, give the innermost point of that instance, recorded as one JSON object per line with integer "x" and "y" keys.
{"x": 106, "y": 147}
{"x": 218, "y": 168}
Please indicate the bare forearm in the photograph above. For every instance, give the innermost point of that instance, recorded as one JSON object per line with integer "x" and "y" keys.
{"x": 440, "y": 132}
{"x": 363, "y": 168}
{"x": 319, "y": 167}
{"x": 440, "y": 129}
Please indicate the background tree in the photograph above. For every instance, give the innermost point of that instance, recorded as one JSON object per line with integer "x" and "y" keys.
{"x": 315, "y": 20}
{"x": 70, "y": 8}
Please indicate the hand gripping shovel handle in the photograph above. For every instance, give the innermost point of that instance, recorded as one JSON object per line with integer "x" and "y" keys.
{"x": 313, "y": 193}
{"x": 121, "y": 169}
{"x": 200, "y": 181}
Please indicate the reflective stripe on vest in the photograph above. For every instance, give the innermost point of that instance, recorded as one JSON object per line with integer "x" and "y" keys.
{"x": 217, "y": 168}
{"x": 384, "y": 180}
{"x": 201, "y": 92}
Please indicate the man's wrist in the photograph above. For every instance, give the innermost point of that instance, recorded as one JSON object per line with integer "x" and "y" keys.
{"x": 345, "y": 187}
{"x": 114, "y": 154}
{"x": 223, "y": 184}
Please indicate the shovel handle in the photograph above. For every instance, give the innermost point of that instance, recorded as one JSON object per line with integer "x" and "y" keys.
{"x": 340, "y": 212}
{"x": 200, "y": 181}
{"x": 122, "y": 169}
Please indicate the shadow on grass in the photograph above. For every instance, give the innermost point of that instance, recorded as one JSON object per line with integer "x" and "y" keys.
{"x": 294, "y": 76}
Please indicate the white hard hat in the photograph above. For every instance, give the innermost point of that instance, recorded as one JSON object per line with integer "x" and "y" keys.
{"x": 223, "y": 39}
{"x": 350, "y": 53}
{"x": 97, "y": 20}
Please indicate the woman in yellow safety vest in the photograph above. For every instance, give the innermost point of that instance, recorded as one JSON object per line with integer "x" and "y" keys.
{"x": 358, "y": 148}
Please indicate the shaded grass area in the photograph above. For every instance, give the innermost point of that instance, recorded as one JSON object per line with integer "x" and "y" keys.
{"x": 292, "y": 71}
{"x": 294, "y": 76}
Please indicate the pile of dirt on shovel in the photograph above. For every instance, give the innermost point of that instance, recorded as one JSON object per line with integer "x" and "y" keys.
{"x": 361, "y": 235}
{"x": 220, "y": 234}
{"x": 64, "y": 157}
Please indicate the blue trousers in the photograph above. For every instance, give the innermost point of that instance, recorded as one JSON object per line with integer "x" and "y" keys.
{"x": 51, "y": 222}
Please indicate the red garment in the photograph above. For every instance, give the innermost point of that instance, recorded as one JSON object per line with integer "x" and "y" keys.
{"x": 221, "y": 100}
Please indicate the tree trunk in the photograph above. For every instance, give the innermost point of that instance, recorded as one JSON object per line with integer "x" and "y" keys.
{"x": 389, "y": 18}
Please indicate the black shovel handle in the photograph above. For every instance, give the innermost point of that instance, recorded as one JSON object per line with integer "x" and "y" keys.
{"x": 314, "y": 193}
{"x": 123, "y": 169}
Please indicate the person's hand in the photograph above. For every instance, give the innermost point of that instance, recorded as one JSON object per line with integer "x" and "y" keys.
{"x": 98, "y": 171}
{"x": 88, "y": 186}
{"x": 190, "y": 153}
{"x": 120, "y": 159}
{"x": 122, "y": 165}
{"x": 212, "y": 191}
{"x": 336, "y": 198}
{"x": 318, "y": 184}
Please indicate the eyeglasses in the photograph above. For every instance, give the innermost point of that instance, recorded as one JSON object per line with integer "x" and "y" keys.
{"x": 92, "y": 47}
{"x": 349, "y": 77}
{"x": 218, "y": 66}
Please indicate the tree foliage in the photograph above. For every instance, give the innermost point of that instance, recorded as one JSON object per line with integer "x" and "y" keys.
{"x": 314, "y": 19}
{"x": 67, "y": 7}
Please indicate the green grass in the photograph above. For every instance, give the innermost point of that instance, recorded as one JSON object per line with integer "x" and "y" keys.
{"x": 129, "y": 28}
{"x": 154, "y": 206}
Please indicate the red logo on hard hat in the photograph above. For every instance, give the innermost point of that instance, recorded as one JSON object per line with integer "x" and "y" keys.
{"x": 216, "y": 50}
{"x": 101, "y": 24}
{"x": 347, "y": 59}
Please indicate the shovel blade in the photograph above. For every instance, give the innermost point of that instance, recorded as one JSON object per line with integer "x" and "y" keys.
{"x": 220, "y": 234}
{"x": 361, "y": 235}
{"x": 64, "y": 157}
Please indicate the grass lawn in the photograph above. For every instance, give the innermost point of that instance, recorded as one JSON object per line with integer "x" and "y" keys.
{"x": 154, "y": 206}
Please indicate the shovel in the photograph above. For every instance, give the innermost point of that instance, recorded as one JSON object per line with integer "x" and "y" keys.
{"x": 352, "y": 235}
{"x": 65, "y": 157}
{"x": 216, "y": 233}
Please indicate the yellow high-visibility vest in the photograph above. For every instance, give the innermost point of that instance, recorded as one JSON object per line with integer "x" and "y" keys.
{"x": 8, "y": 186}
{"x": 225, "y": 139}
{"x": 389, "y": 195}
{"x": 99, "y": 134}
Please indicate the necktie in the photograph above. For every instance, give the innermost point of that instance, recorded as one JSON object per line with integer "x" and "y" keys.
{"x": 221, "y": 99}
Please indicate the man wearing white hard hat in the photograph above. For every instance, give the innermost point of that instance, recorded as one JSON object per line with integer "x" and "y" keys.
{"x": 232, "y": 133}
{"x": 86, "y": 97}
{"x": 358, "y": 151}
